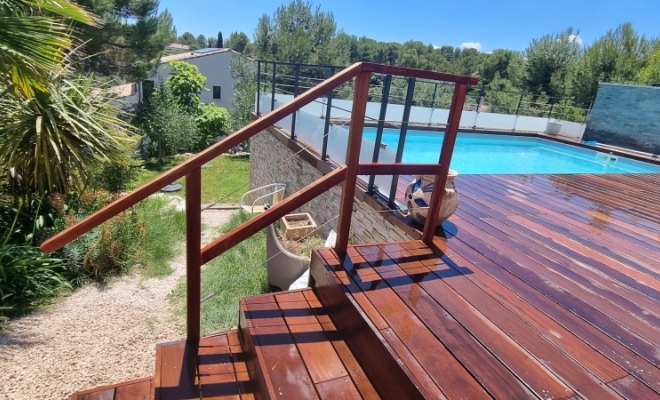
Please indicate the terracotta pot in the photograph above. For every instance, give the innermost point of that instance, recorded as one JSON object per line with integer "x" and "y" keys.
{"x": 449, "y": 200}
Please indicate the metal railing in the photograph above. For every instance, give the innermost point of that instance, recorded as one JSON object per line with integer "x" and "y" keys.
{"x": 288, "y": 78}
{"x": 196, "y": 256}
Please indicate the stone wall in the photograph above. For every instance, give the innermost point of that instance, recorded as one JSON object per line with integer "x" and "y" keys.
{"x": 626, "y": 116}
{"x": 273, "y": 161}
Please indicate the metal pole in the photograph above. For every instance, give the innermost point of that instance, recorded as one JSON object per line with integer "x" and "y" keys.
{"x": 258, "y": 86}
{"x": 381, "y": 124}
{"x": 481, "y": 94}
{"x": 328, "y": 114}
{"x": 402, "y": 137}
{"x": 563, "y": 111}
{"x": 272, "y": 99}
{"x": 519, "y": 103}
{"x": 295, "y": 94}
{"x": 552, "y": 105}
{"x": 435, "y": 90}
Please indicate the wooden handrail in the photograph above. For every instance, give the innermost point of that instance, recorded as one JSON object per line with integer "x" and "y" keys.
{"x": 141, "y": 193}
{"x": 254, "y": 225}
{"x": 347, "y": 174}
{"x": 418, "y": 73}
{"x": 398, "y": 169}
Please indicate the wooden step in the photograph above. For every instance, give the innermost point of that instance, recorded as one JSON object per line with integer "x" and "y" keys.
{"x": 221, "y": 372}
{"x": 385, "y": 362}
{"x": 294, "y": 351}
{"x": 139, "y": 389}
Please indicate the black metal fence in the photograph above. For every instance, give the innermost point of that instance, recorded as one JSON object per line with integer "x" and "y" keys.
{"x": 289, "y": 78}
{"x": 294, "y": 79}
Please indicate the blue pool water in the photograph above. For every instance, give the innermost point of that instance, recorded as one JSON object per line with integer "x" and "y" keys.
{"x": 499, "y": 154}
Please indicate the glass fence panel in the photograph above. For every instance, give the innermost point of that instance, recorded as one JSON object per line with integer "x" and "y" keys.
{"x": 487, "y": 120}
{"x": 309, "y": 129}
{"x": 468, "y": 118}
{"x": 440, "y": 116}
{"x": 531, "y": 124}
{"x": 420, "y": 115}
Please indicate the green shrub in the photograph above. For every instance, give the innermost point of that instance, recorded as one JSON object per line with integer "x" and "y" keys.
{"x": 105, "y": 249}
{"x": 145, "y": 234}
{"x": 115, "y": 176}
{"x": 28, "y": 278}
{"x": 212, "y": 122}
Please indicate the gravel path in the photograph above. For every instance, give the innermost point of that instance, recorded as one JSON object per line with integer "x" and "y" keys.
{"x": 98, "y": 335}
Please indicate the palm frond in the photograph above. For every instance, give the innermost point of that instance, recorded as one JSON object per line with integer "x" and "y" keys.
{"x": 32, "y": 45}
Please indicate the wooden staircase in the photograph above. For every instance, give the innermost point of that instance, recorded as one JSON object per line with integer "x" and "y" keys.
{"x": 286, "y": 347}
{"x": 289, "y": 345}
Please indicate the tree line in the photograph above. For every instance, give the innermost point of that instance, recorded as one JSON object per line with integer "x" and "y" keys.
{"x": 556, "y": 65}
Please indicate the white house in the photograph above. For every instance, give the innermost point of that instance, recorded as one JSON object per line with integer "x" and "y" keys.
{"x": 213, "y": 63}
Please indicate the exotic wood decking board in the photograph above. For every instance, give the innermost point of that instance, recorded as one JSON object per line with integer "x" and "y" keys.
{"x": 303, "y": 354}
{"x": 566, "y": 266}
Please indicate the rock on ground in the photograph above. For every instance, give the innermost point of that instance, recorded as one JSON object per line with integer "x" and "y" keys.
{"x": 97, "y": 335}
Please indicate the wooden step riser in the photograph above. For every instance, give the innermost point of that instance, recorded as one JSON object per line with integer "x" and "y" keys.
{"x": 376, "y": 358}
{"x": 138, "y": 389}
{"x": 254, "y": 366}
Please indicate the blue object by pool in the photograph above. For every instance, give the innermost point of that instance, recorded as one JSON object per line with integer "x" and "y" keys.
{"x": 590, "y": 143}
{"x": 500, "y": 154}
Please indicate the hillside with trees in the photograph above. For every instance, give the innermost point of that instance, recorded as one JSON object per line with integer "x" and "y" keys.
{"x": 556, "y": 65}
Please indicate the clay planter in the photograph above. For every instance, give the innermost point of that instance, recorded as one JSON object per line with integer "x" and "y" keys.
{"x": 296, "y": 226}
{"x": 424, "y": 191}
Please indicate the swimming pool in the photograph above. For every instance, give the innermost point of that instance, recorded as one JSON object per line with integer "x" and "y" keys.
{"x": 477, "y": 153}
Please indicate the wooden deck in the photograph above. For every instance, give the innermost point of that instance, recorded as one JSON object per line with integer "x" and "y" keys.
{"x": 539, "y": 287}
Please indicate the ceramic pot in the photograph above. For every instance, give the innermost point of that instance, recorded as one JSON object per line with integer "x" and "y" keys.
{"x": 419, "y": 193}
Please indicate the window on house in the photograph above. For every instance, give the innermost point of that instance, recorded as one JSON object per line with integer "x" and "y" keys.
{"x": 216, "y": 92}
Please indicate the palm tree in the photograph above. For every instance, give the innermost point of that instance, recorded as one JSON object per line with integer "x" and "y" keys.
{"x": 59, "y": 138}
{"x": 33, "y": 41}
{"x": 57, "y": 128}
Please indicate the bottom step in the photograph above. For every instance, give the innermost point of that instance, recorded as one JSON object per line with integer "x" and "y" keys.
{"x": 295, "y": 352}
{"x": 221, "y": 373}
{"x": 139, "y": 389}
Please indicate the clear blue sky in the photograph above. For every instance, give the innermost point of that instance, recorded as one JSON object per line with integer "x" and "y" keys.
{"x": 491, "y": 24}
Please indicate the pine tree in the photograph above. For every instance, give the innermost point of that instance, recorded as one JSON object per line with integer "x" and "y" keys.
{"x": 220, "y": 42}
{"x": 133, "y": 36}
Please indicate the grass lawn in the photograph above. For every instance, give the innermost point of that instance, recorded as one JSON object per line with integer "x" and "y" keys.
{"x": 231, "y": 276}
{"x": 224, "y": 175}
{"x": 165, "y": 228}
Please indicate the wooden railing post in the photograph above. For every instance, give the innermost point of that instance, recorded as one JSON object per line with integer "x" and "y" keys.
{"x": 193, "y": 253}
{"x": 360, "y": 97}
{"x": 460, "y": 90}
